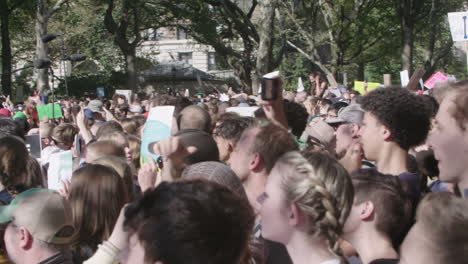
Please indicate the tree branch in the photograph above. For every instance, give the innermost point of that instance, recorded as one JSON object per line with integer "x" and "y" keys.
{"x": 56, "y": 7}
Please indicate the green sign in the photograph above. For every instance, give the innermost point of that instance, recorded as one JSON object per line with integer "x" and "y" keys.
{"x": 47, "y": 111}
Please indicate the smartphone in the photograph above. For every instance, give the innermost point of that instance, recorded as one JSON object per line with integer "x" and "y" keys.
{"x": 271, "y": 86}
{"x": 79, "y": 143}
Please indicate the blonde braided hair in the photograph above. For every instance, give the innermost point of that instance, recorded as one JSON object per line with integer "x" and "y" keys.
{"x": 322, "y": 189}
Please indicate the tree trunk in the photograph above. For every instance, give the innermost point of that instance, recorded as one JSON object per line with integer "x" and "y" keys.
{"x": 6, "y": 48}
{"x": 132, "y": 74}
{"x": 360, "y": 72}
{"x": 266, "y": 33}
{"x": 42, "y": 50}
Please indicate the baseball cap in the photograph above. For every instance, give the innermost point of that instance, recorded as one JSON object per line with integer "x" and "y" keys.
{"x": 95, "y": 106}
{"x": 350, "y": 114}
{"x": 5, "y": 112}
{"x": 44, "y": 213}
{"x": 19, "y": 115}
{"x": 320, "y": 131}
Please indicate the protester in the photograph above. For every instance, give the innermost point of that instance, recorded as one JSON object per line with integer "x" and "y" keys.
{"x": 381, "y": 214}
{"x": 438, "y": 236}
{"x": 95, "y": 188}
{"x": 189, "y": 221}
{"x": 305, "y": 205}
{"x": 39, "y": 228}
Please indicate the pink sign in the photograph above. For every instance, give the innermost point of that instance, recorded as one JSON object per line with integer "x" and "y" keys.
{"x": 435, "y": 78}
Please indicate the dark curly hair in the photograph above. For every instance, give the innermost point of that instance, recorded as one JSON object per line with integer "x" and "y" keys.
{"x": 405, "y": 114}
{"x": 194, "y": 221}
{"x": 297, "y": 117}
{"x": 231, "y": 129}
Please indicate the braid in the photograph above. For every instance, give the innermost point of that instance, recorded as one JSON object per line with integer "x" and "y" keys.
{"x": 322, "y": 189}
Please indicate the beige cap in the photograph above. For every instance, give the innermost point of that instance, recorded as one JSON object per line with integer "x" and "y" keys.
{"x": 44, "y": 213}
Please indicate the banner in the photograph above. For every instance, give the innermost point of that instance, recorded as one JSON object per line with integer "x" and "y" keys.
{"x": 47, "y": 111}
{"x": 158, "y": 127}
{"x": 458, "y": 25}
{"x": 360, "y": 87}
{"x": 60, "y": 169}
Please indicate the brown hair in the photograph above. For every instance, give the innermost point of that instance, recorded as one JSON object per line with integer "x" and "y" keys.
{"x": 96, "y": 197}
{"x": 105, "y": 148}
{"x": 271, "y": 142}
{"x": 134, "y": 143}
{"x": 130, "y": 125}
{"x": 392, "y": 201}
{"x": 122, "y": 168}
{"x": 107, "y": 128}
{"x": 65, "y": 133}
{"x": 13, "y": 161}
{"x": 460, "y": 100}
{"x": 444, "y": 220}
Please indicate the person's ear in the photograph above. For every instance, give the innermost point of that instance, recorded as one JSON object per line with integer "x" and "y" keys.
{"x": 25, "y": 238}
{"x": 366, "y": 211}
{"x": 230, "y": 148}
{"x": 386, "y": 133}
{"x": 355, "y": 130}
{"x": 256, "y": 163}
{"x": 296, "y": 217}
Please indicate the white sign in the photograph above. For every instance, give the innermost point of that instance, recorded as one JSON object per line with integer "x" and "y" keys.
{"x": 243, "y": 111}
{"x": 404, "y": 76}
{"x": 60, "y": 169}
{"x": 300, "y": 85}
{"x": 126, "y": 93}
{"x": 458, "y": 25}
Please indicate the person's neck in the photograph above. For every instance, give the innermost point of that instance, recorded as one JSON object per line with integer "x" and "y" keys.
{"x": 371, "y": 245}
{"x": 254, "y": 186}
{"x": 392, "y": 159}
{"x": 36, "y": 256}
{"x": 303, "y": 250}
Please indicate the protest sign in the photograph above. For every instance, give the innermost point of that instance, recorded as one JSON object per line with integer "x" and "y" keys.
{"x": 243, "y": 111}
{"x": 404, "y": 77}
{"x": 60, "y": 169}
{"x": 126, "y": 93}
{"x": 458, "y": 25}
{"x": 360, "y": 87}
{"x": 157, "y": 127}
{"x": 47, "y": 111}
{"x": 434, "y": 79}
{"x": 33, "y": 144}
{"x": 300, "y": 85}
{"x": 100, "y": 92}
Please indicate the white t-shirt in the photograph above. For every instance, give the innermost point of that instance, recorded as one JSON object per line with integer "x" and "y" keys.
{"x": 332, "y": 261}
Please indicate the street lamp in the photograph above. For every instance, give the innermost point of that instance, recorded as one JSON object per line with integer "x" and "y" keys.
{"x": 73, "y": 58}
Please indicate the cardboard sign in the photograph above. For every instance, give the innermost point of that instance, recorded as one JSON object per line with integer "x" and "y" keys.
{"x": 243, "y": 111}
{"x": 47, "y": 111}
{"x": 458, "y": 25}
{"x": 360, "y": 87}
{"x": 434, "y": 79}
{"x": 126, "y": 93}
{"x": 157, "y": 127}
{"x": 60, "y": 169}
{"x": 404, "y": 77}
{"x": 33, "y": 144}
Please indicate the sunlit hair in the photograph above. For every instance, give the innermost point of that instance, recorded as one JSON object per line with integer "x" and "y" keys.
{"x": 118, "y": 137}
{"x": 322, "y": 189}
{"x": 134, "y": 143}
{"x": 443, "y": 219}
{"x": 122, "y": 168}
{"x": 458, "y": 93}
{"x": 96, "y": 197}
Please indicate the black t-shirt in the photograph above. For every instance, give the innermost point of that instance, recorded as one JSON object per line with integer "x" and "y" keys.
{"x": 385, "y": 261}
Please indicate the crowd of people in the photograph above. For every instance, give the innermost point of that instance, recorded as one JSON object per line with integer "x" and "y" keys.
{"x": 325, "y": 176}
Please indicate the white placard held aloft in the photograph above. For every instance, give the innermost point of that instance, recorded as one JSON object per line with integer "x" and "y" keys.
{"x": 459, "y": 25}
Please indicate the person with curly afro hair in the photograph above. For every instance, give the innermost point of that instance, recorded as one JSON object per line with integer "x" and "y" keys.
{"x": 395, "y": 120}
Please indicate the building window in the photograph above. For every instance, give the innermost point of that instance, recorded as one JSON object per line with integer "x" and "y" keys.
{"x": 152, "y": 34}
{"x": 212, "y": 61}
{"x": 186, "y": 57}
{"x": 182, "y": 34}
